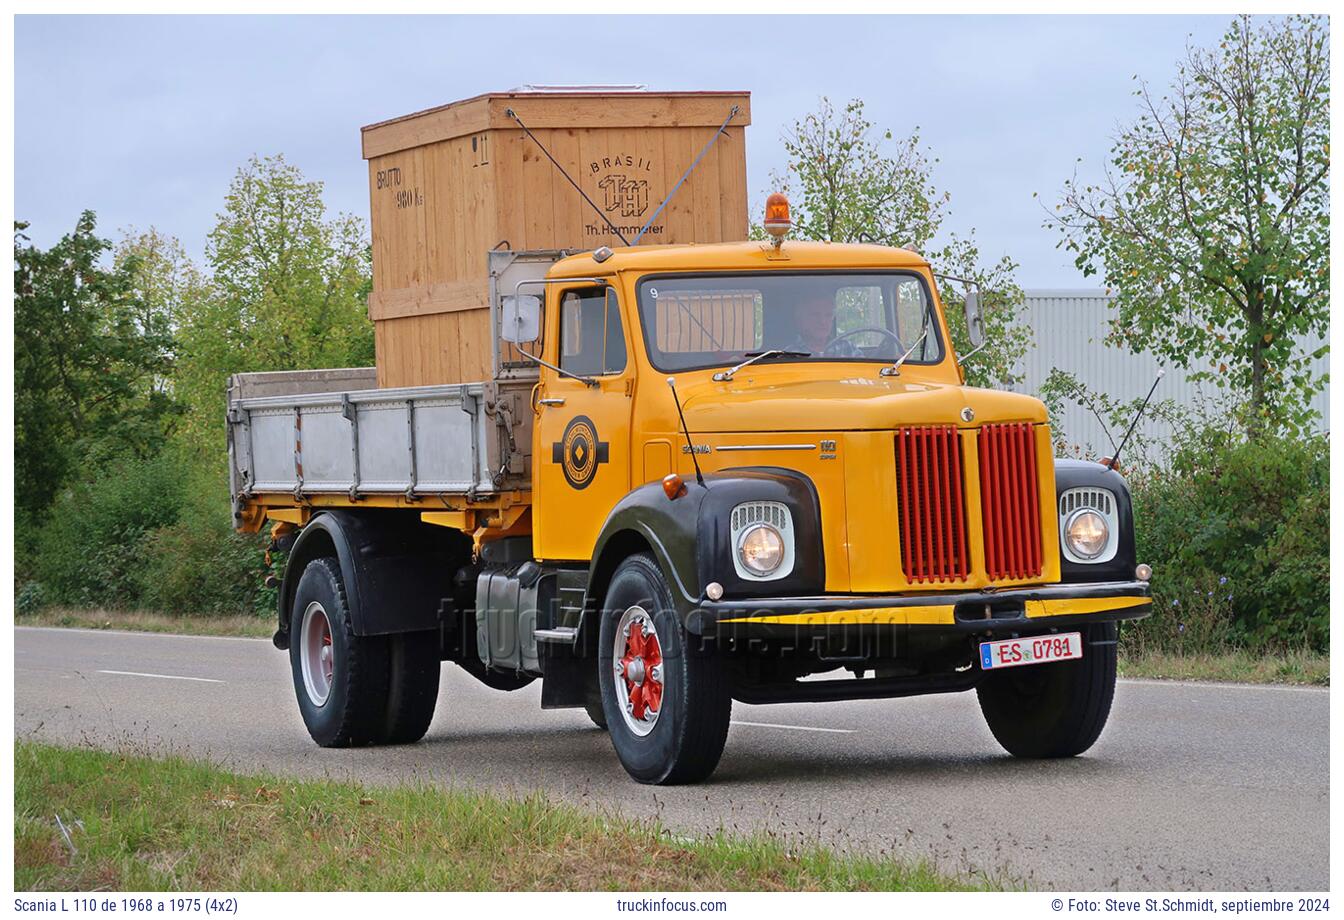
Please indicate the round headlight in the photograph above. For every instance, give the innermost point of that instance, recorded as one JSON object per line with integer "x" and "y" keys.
{"x": 761, "y": 549}
{"x": 1087, "y": 534}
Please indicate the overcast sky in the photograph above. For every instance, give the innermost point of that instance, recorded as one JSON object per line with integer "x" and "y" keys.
{"x": 144, "y": 119}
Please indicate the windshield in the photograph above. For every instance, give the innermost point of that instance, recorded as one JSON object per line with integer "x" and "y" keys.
{"x": 713, "y": 320}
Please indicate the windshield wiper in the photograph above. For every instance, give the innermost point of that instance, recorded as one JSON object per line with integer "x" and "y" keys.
{"x": 754, "y": 356}
{"x": 895, "y": 369}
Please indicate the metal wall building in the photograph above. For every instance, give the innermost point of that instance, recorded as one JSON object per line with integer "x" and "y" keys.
{"x": 1069, "y": 330}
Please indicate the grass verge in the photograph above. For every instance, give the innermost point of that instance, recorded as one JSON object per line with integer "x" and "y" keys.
{"x": 1307, "y": 668}
{"x": 138, "y": 823}
{"x": 141, "y": 621}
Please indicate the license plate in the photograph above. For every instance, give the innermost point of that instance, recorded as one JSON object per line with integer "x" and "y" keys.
{"x": 1012, "y": 653}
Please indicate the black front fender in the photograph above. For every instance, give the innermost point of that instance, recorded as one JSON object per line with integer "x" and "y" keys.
{"x": 690, "y": 537}
{"x": 645, "y": 519}
{"x": 1076, "y": 474}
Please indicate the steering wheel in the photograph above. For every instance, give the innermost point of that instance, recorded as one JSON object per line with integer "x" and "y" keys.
{"x": 887, "y": 333}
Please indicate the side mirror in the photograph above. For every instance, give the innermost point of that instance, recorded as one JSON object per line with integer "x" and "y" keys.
{"x": 520, "y": 319}
{"x": 975, "y": 323}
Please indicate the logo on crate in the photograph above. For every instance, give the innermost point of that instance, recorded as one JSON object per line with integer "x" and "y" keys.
{"x": 579, "y": 451}
{"x": 630, "y": 196}
{"x": 625, "y": 192}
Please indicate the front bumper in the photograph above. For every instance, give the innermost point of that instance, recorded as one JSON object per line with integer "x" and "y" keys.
{"x": 1011, "y": 610}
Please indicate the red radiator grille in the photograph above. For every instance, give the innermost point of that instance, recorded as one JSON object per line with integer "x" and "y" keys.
{"x": 1010, "y": 501}
{"x": 932, "y": 504}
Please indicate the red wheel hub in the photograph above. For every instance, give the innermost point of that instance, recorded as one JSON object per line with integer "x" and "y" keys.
{"x": 642, "y": 670}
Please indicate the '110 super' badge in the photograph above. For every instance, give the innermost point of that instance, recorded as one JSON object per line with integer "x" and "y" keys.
{"x": 579, "y": 452}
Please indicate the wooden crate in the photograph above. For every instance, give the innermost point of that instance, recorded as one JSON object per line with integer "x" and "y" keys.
{"x": 448, "y": 184}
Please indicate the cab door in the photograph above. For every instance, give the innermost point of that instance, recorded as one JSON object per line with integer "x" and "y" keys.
{"x": 581, "y": 446}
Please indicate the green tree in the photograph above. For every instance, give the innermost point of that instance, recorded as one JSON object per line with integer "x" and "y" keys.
{"x": 859, "y": 185}
{"x": 288, "y": 291}
{"x": 856, "y": 187}
{"x": 89, "y": 365}
{"x": 1001, "y": 299}
{"x": 163, "y": 277}
{"x": 1212, "y": 224}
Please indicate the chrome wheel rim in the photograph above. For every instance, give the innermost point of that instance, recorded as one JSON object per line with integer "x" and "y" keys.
{"x": 316, "y": 656}
{"x": 638, "y": 664}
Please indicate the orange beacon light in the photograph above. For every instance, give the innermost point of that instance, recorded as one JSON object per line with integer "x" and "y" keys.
{"x": 777, "y": 221}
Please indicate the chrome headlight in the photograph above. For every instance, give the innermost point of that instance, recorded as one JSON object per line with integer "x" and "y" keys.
{"x": 1087, "y": 533}
{"x": 762, "y": 535}
{"x": 761, "y": 549}
{"x": 1088, "y": 527}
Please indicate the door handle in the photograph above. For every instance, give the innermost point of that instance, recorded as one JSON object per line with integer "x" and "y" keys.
{"x": 552, "y": 401}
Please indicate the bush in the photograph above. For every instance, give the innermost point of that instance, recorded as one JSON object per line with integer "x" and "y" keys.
{"x": 31, "y": 599}
{"x": 200, "y": 565}
{"x": 1238, "y": 536}
{"x": 150, "y": 534}
{"x": 91, "y": 548}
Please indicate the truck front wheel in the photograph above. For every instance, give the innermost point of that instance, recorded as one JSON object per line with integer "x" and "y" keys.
{"x": 666, "y": 702}
{"x": 1053, "y": 710}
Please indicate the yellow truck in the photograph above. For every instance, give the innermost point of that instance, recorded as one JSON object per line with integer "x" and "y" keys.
{"x": 696, "y": 473}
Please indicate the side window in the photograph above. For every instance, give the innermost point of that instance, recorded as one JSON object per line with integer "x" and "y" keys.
{"x": 591, "y": 340}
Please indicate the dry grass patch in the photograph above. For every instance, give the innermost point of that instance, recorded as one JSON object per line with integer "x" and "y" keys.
{"x": 156, "y": 825}
{"x": 143, "y": 621}
{"x": 1307, "y": 668}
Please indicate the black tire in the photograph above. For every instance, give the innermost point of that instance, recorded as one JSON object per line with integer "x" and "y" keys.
{"x": 686, "y": 739}
{"x": 413, "y": 686}
{"x": 354, "y": 711}
{"x": 593, "y": 701}
{"x": 1053, "y": 710}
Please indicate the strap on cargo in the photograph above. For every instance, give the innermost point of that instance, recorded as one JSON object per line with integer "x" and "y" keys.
{"x": 732, "y": 113}
{"x": 600, "y": 213}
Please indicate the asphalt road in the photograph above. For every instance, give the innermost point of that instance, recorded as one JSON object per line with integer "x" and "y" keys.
{"x": 1192, "y": 786}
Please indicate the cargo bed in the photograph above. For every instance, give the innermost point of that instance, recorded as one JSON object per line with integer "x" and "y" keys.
{"x": 467, "y": 439}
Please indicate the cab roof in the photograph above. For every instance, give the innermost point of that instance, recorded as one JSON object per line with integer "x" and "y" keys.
{"x": 753, "y": 254}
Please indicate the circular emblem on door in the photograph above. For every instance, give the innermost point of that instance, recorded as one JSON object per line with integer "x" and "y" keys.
{"x": 579, "y": 452}
{"x": 968, "y": 414}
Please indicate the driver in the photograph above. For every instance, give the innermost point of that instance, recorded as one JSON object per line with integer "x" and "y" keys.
{"x": 814, "y": 326}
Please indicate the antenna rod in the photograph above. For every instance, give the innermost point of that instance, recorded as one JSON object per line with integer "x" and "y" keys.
{"x": 672, "y": 384}
{"x": 732, "y": 113}
{"x": 600, "y": 213}
{"x": 1115, "y": 461}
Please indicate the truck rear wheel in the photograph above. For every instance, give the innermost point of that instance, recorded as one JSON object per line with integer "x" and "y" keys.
{"x": 355, "y": 690}
{"x": 340, "y": 679}
{"x": 1053, "y": 710}
{"x": 413, "y": 686}
{"x": 666, "y": 703}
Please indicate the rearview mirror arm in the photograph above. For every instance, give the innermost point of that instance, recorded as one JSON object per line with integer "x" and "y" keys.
{"x": 589, "y": 381}
{"x": 962, "y": 359}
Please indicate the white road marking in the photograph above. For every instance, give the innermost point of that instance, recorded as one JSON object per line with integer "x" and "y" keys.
{"x": 797, "y": 728}
{"x": 204, "y": 680}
